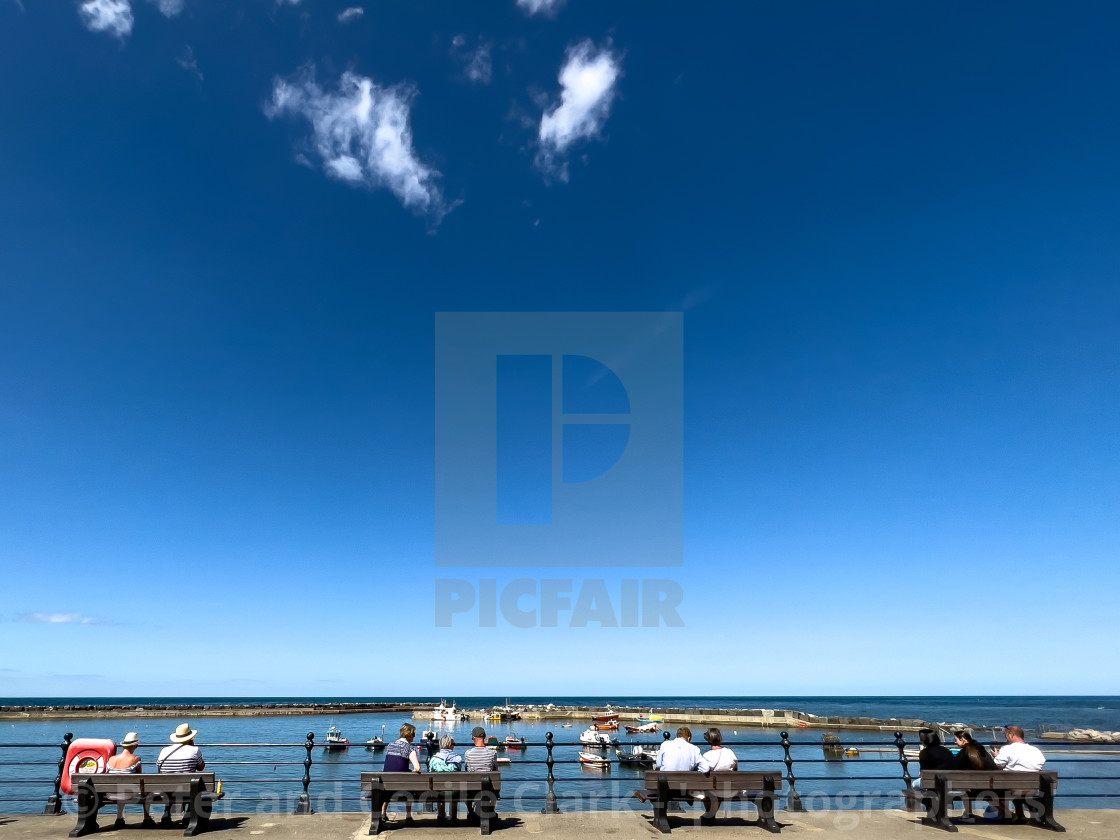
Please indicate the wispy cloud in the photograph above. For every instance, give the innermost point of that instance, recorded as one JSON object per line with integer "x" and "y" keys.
{"x": 113, "y": 17}
{"x": 170, "y": 8}
{"x": 477, "y": 65}
{"x": 540, "y": 7}
{"x": 63, "y": 618}
{"x": 353, "y": 13}
{"x": 361, "y": 134}
{"x": 587, "y": 81}
{"x": 188, "y": 62}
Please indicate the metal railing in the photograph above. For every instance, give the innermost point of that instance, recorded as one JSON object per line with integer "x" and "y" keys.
{"x": 806, "y": 777}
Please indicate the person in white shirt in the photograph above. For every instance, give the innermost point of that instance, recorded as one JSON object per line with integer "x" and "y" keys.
{"x": 1018, "y": 754}
{"x": 681, "y": 754}
{"x": 719, "y": 757}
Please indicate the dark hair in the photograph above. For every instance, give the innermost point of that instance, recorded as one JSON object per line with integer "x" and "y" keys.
{"x": 929, "y": 737}
{"x": 714, "y": 737}
{"x": 965, "y": 736}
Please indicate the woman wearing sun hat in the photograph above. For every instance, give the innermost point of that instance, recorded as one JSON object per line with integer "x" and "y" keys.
{"x": 128, "y": 762}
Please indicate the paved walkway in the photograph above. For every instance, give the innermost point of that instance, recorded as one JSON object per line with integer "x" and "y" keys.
{"x": 619, "y": 825}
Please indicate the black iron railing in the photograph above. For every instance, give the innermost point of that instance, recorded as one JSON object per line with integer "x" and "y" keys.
{"x": 817, "y": 776}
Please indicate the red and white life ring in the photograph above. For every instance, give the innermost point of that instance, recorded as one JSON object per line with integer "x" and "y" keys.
{"x": 86, "y": 755}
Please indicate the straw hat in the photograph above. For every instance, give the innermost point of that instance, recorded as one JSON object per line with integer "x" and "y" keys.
{"x": 183, "y": 733}
{"x": 131, "y": 740}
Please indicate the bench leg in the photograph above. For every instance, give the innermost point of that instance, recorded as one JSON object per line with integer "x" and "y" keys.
{"x": 376, "y": 800}
{"x": 767, "y": 804}
{"x": 199, "y": 809}
{"x": 88, "y": 803}
{"x": 936, "y": 802}
{"x": 1046, "y": 818}
{"x": 486, "y": 806}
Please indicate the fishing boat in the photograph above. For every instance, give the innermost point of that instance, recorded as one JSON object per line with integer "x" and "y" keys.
{"x": 638, "y": 756}
{"x": 335, "y": 741}
{"x": 495, "y": 744}
{"x": 650, "y": 727}
{"x": 444, "y": 712}
{"x": 506, "y": 712}
{"x": 377, "y": 742}
{"x": 591, "y": 738}
{"x": 607, "y": 718}
{"x": 515, "y": 743}
{"x": 593, "y": 759}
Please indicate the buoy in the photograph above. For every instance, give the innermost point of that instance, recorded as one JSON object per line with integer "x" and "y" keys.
{"x": 86, "y": 755}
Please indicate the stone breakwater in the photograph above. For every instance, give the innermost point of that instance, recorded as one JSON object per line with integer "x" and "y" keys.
{"x": 201, "y": 710}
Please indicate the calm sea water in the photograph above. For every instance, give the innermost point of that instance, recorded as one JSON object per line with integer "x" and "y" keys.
{"x": 267, "y": 778}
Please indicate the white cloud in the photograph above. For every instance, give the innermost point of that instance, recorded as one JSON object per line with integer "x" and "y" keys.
{"x": 347, "y": 15}
{"x": 587, "y": 82}
{"x": 188, "y": 62}
{"x": 362, "y": 135}
{"x": 477, "y": 65}
{"x": 170, "y": 8}
{"x": 62, "y": 618}
{"x": 543, "y": 7}
{"x": 111, "y": 16}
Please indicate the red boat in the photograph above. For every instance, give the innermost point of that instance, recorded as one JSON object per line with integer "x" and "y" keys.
{"x": 645, "y": 727}
{"x": 605, "y": 727}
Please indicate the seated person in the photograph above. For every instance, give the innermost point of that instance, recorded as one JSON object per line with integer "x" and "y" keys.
{"x": 401, "y": 756}
{"x": 446, "y": 761}
{"x": 934, "y": 756}
{"x": 128, "y": 761}
{"x": 971, "y": 756}
{"x": 183, "y": 757}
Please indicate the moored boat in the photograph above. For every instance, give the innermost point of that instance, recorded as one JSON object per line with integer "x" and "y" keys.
{"x": 638, "y": 756}
{"x": 515, "y": 743}
{"x": 335, "y": 741}
{"x": 591, "y": 738}
{"x": 593, "y": 759}
{"x": 650, "y": 728}
{"x": 444, "y": 712}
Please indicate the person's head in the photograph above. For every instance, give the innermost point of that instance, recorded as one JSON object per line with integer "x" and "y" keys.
{"x": 714, "y": 737}
{"x": 183, "y": 734}
{"x": 446, "y": 742}
{"x": 929, "y": 737}
{"x": 963, "y": 738}
{"x": 408, "y": 732}
{"x": 684, "y": 732}
{"x": 479, "y": 735}
{"x": 131, "y": 742}
{"x": 1013, "y": 733}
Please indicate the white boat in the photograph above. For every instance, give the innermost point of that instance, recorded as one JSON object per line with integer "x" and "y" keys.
{"x": 594, "y": 759}
{"x": 377, "y": 742}
{"x": 335, "y": 741}
{"x": 444, "y": 712}
{"x": 591, "y": 738}
{"x": 650, "y": 727}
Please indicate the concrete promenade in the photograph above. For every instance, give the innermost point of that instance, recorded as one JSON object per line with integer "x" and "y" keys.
{"x": 619, "y": 825}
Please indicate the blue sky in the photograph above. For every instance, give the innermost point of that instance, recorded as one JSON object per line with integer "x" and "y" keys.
{"x": 225, "y": 230}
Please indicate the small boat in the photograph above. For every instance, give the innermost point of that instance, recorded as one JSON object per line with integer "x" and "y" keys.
{"x": 503, "y": 761}
{"x": 645, "y": 727}
{"x": 594, "y": 759}
{"x": 515, "y": 743}
{"x": 650, "y": 718}
{"x": 377, "y": 742}
{"x": 495, "y": 744}
{"x": 851, "y": 752}
{"x": 637, "y": 757}
{"x": 444, "y": 712}
{"x": 608, "y": 718}
{"x": 335, "y": 741}
{"x": 591, "y": 738}
{"x": 565, "y": 726}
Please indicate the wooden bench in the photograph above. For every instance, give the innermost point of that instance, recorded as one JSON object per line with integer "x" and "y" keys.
{"x": 759, "y": 788}
{"x": 194, "y": 791}
{"x": 480, "y": 791}
{"x": 1035, "y": 790}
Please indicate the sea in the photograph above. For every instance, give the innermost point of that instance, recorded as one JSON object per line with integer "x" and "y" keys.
{"x": 261, "y": 759}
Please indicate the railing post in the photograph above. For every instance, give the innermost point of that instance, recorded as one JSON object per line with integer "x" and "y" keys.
{"x": 907, "y": 779}
{"x": 304, "y": 806}
{"x": 54, "y": 803}
{"x": 793, "y": 798}
{"x": 550, "y": 806}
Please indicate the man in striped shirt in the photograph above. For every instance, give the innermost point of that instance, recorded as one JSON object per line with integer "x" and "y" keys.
{"x": 183, "y": 756}
{"x": 478, "y": 759}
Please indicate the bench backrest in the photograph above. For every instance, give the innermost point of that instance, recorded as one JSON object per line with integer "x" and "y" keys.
{"x": 457, "y": 782}
{"x": 721, "y": 781}
{"x": 145, "y": 783}
{"x": 1017, "y": 781}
